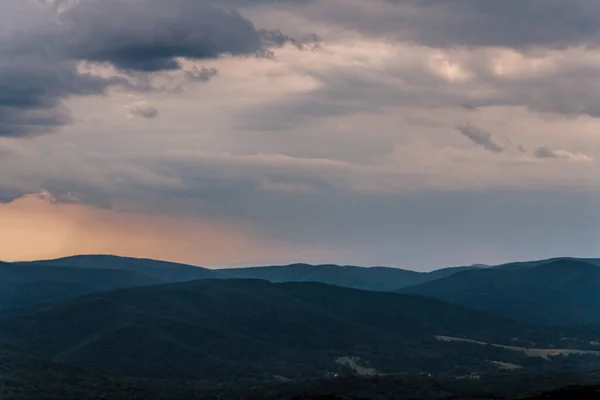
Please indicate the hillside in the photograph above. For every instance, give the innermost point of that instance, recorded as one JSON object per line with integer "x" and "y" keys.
{"x": 24, "y": 377}
{"x": 37, "y": 282}
{"x": 555, "y": 292}
{"x": 571, "y": 393}
{"x": 63, "y": 278}
{"x": 30, "y": 284}
{"x": 536, "y": 263}
{"x": 251, "y": 328}
{"x": 375, "y": 278}
{"x": 162, "y": 271}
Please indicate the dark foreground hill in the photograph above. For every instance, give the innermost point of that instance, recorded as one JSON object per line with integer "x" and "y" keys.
{"x": 25, "y": 377}
{"x": 559, "y": 292}
{"x": 571, "y": 393}
{"x": 251, "y": 339}
{"x": 249, "y": 328}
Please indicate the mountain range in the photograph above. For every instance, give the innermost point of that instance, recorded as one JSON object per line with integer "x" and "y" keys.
{"x": 30, "y": 283}
{"x": 153, "y": 329}
{"x": 259, "y": 331}
{"x": 552, "y": 292}
{"x": 560, "y": 291}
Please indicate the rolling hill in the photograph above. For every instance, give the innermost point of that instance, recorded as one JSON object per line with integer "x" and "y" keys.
{"x": 162, "y": 271}
{"x": 252, "y": 329}
{"x": 555, "y": 291}
{"x": 252, "y": 339}
{"x": 374, "y": 278}
{"x": 30, "y": 284}
{"x": 550, "y": 292}
{"x": 37, "y": 282}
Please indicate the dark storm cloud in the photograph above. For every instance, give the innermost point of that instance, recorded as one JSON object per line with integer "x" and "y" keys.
{"x": 148, "y": 35}
{"x": 480, "y": 137}
{"x": 39, "y": 58}
{"x": 32, "y": 90}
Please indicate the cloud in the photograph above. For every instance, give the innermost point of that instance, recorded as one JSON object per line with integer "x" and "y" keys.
{"x": 32, "y": 90}
{"x": 102, "y": 31}
{"x": 9, "y": 148}
{"x": 370, "y": 76}
{"x": 40, "y": 58}
{"x": 480, "y": 137}
{"x": 485, "y": 140}
{"x": 277, "y": 38}
{"x": 452, "y": 23}
{"x": 144, "y": 110}
{"x": 201, "y": 74}
{"x": 469, "y": 107}
{"x": 318, "y": 141}
{"x": 548, "y": 152}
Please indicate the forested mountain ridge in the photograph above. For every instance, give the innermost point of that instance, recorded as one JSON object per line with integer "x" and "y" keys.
{"x": 556, "y": 292}
{"x": 37, "y": 282}
{"x": 226, "y": 326}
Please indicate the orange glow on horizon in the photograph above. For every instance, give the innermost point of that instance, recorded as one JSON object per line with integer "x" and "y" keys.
{"x": 34, "y": 228}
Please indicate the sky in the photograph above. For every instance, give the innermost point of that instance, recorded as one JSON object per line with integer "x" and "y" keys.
{"x": 407, "y": 133}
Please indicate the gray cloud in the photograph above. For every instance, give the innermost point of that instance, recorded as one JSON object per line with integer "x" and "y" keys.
{"x": 486, "y": 140}
{"x": 543, "y": 152}
{"x": 201, "y": 74}
{"x": 32, "y": 90}
{"x": 480, "y": 137}
{"x": 148, "y": 35}
{"x": 394, "y": 228}
{"x": 277, "y": 38}
{"x": 564, "y": 85}
{"x": 143, "y": 110}
{"x": 552, "y": 23}
{"x": 39, "y": 59}
{"x": 449, "y": 23}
